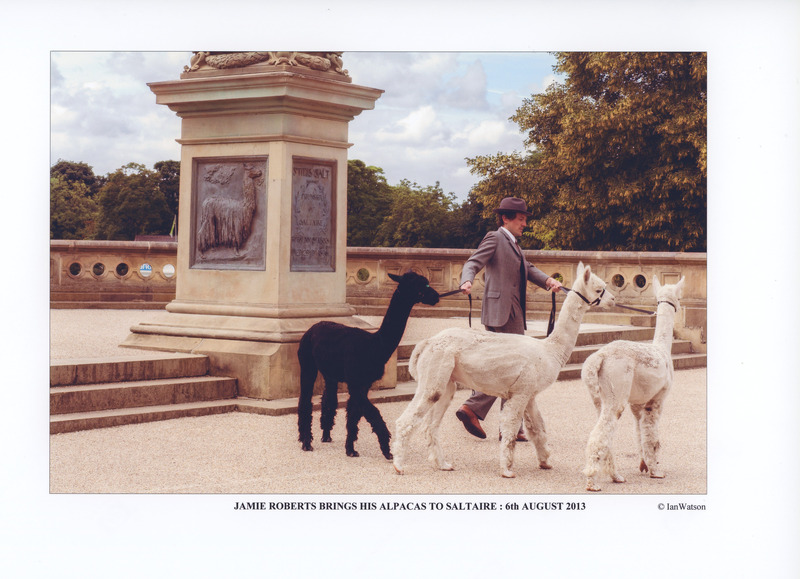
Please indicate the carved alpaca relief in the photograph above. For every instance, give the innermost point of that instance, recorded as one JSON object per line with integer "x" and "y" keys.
{"x": 229, "y": 213}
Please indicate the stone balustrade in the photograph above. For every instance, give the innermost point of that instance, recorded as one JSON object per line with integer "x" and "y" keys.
{"x": 125, "y": 274}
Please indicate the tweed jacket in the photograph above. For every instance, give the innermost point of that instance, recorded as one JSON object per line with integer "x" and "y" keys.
{"x": 501, "y": 257}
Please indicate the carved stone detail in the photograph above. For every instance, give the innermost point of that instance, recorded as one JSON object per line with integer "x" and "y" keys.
{"x": 313, "y": 237}
{"x": 323, "y": 61}
{"x": 230, "y": 201}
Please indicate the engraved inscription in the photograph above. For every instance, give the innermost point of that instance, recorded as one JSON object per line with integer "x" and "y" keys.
{"x": 313, "y": 216}
{"x": 229, "y": 206}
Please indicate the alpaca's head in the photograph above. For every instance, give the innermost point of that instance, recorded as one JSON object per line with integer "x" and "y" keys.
{"x": 592, "y": 287}
{"x": 671, "y": 293}
{"x": 416, "y": 287}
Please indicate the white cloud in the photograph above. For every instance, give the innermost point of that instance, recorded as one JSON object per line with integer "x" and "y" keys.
{"x": 488, "y": 133}
{"x": 419, "y": 127}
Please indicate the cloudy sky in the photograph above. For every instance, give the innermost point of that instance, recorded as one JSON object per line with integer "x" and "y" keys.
{"x": 437, "y": 109}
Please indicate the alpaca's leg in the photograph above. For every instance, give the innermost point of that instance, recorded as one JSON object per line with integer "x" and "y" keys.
{"x": 354, "y": 413}
{"x": 416, "y": 413}
{"x": 330, "y": 400}
{"x": 638, "y": 414}
{"x": 599, "y": 451}
{"x": 534, "y": 423}
{"x": 405, "y": 425}
{"x": 308, "y": 375}
{"x": 510, "y": 416}
{"x": 434, "y": 421}
{"x": 651, "y": 444}
{"x": 373, "y": 416}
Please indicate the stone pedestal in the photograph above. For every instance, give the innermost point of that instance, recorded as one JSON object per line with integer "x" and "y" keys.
{"x": 263, "y": 216}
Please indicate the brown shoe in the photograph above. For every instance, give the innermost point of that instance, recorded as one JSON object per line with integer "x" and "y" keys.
{"x": 470, "y": 421}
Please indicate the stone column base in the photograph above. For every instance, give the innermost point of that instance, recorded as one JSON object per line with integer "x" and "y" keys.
{"x": 260, "y": 352}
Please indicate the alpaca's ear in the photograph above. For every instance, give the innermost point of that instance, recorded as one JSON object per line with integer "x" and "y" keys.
{"x": 656, "y": 285}
{"x": 679, "y": 287}
{"x": 587, "y": 272}
{"x": 394, "y": 277}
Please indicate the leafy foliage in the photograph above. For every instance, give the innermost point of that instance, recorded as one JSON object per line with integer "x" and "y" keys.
{"x": 133, "y": 200}
{"x": 369, "y": 201}
{"x": 73, "y": 211}
{"x": 77, "y": 173}
{"x": 131, "y": 203}
{"x": 513, "y": 175}
{"x": 169, "y": 181}
{"x": 622, "y": 146}
{"x": 420, "y": 217}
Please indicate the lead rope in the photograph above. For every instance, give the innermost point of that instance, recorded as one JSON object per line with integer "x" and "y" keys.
{"x": 456, "y": 291}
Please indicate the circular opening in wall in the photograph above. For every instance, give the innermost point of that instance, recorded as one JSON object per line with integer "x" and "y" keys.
{"x": 558, "y": 277}
{"x": 618, "y": 280}
{"x": 145, "y": 270}
{"x": 168, "y": 270}
{"x": 75, "y": 268}
{"x": 640, "y": 281}
{"x": 362, "y": 274}
{"x": 98, "y": 269}
{"x": 122, "y": 269}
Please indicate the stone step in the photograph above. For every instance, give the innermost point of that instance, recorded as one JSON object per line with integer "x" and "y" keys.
{"x": 452, "y": 309}
{"x": 679, "y": 362}
{"x": 580, "y": 353}
{"x": 122, "y": 416}
{"x": 105, "y": 305}
{"x": 586, "y": 337}
{"x": 578, "y": 356}
{"x": 134, "y": 394}
{"x": 156, "y": 366}
{"x": 572, "y": 371}
{"x": 87, "y": 394}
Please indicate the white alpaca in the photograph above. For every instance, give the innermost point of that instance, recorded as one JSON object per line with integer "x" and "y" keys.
{"x": 511, "y": 366}
{"x": 622, "y": 373}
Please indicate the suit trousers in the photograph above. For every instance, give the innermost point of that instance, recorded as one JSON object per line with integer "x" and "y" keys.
{"x": 479, "y": 402}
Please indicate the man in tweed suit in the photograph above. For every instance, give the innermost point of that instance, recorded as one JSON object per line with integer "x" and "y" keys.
{"x": 506, "y": 277}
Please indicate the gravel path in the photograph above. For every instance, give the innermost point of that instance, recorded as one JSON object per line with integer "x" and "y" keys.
{"x": 245, "y": 453}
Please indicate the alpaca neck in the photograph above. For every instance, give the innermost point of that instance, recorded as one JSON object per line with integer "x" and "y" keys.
{"x": 565, "y": 332}
{"x": 249, "y": 193}
{"x": 665, "y": 323}
{"x": 394, "y": 324}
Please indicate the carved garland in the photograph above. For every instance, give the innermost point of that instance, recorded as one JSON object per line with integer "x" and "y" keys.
{"x": 324, "y": 61}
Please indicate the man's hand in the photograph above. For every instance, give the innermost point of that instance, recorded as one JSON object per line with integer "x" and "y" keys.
{"x": 552, "y": 284}
{"x": 466, "y": 287}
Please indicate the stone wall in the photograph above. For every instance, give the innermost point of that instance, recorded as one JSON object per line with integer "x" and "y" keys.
{"x": 112, "y": 274}
{"x": 124, "y": 274}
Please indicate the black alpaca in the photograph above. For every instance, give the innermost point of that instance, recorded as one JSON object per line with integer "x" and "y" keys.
{"x": 357, "y": 357}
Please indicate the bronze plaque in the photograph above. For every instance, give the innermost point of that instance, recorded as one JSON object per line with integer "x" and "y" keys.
{"x": 229, "y": 207}
{"x": 313, "y": 244}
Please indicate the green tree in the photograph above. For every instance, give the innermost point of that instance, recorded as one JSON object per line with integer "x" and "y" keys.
{"x": 513, "y": 175}
{"x": 73, "y": 172}
{"x": 470, "y": 222}
{"x": 623, "y": 153}
{"x": 131, "y": 203}
{"x": 369, "y": 201}
{"x": 420, "y": 217}
{"x": 169, "y": 180}
{"x": 73, "y": 211}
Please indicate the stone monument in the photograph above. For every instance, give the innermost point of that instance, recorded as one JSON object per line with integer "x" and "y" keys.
{"x": 263, "y": 212}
